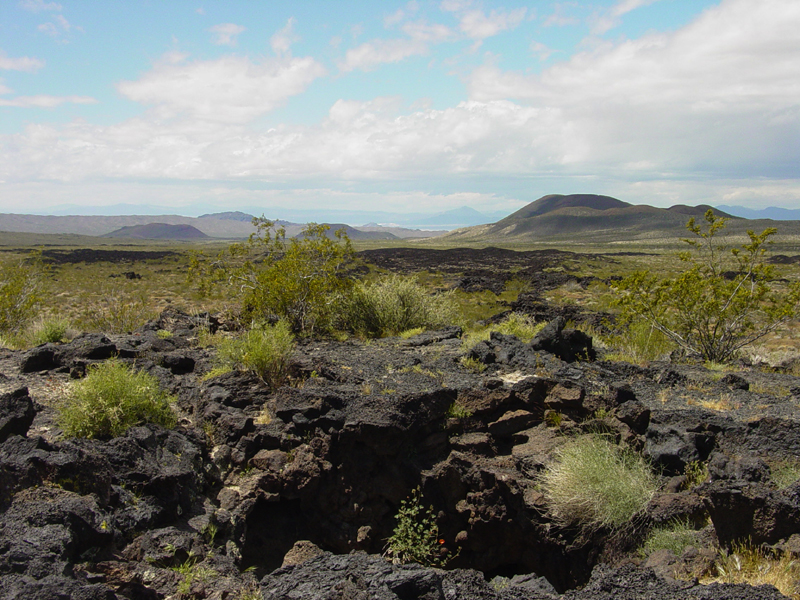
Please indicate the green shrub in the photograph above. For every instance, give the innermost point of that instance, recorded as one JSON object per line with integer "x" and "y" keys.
{"x": 300, "y": 280}
{"x": 20, "y": 285}
{"x": 726, "y": 299}
{"x": 113, "y": 398}
{"x": 416, "y": 536}
{"x": 394, "y": 305}
{"x": 593, "y": 483}
{"x": 265, "y": 350}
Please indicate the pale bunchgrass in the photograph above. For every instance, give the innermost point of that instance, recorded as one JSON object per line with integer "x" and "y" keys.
{"x": 754, "y": 565}
{"x": 393, "y": 305}
{"x": 592, "y": 483}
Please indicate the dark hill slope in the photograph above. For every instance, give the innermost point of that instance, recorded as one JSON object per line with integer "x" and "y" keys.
{"x": 598, "y": 218}
{"x": 158, "y": 231}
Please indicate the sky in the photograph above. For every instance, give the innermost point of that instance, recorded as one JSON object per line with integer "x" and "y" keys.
{"x": 186, "y": 107}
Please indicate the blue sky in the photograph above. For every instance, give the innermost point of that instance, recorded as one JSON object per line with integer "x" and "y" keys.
{"x": 190, "y": 107}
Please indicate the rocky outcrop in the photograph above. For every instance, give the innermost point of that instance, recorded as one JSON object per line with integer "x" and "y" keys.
{"x": 327, "y": 459}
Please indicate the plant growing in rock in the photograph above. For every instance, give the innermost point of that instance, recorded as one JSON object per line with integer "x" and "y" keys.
{"x": 264, "y": 349}
{"x": 300, "y": 279}
{"x": 592, "y": 483}
{"x": 416, "y": 536}
{"x": 726, "y": 298}
{"x": 111, "y": 399}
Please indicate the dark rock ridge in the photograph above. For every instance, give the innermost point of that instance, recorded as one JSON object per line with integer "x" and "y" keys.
{"x": 293, "y": 493}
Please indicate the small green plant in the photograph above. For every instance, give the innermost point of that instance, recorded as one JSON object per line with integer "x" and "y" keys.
{"x": 393, "y": 305}
{"x": 111, "y": 399}
{"x": 592, "y": 483}
{"x": 164, "y": 334}
{"x": 416, "y": 536}
{"x": 784, "y": 472}
{"x": 192, "y": 572}
{"x": 458, "y": 411}
{"x": 675, "y": 537}
{"x": 726, "y": 299}
{"x": 696, "y": 472}
{"x": 52, "y": 330}
{"x": 472, "y": 364}
{"x": 553, "y": 418}
{"x": 264, "y": 349}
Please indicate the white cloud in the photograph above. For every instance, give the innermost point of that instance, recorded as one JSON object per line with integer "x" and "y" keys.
{"x": 61, "y": 26}
{"x": 541, "y": 50}
{"x": 43, "y": 101}
{"x": 282, "y": 41}
{"x": 560, "y": 16}
{"x": 478, "y": 25}
{"x": 369, "y": 55}
{"x": 40, "y": 6}
{"x": 401, "y": 14}
{"x": 200, "y": 11}
{"x": 706, "y": 112}
{"x": 611, "y": 18}
{"x": 227, "y": 90}
{"x": 426, "y": 32}
{"x": 23, "y": 63}
{"x": 719, "y": 94}
{"x": 225, "y": 34}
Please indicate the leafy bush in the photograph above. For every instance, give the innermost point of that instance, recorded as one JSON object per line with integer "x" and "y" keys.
{"x": 113, "y": 398}
{"x": 300, "y": 279}
{"x": 593, "y": 483}
{"x": 416, "y": 537}
{"x": 724, "y": 300}
{"x": 265, "y": 350}
{"x": 19, "y": 293}
{"x": 393, "y": 305}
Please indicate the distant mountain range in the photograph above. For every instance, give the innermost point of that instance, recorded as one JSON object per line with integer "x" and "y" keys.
{"x": 774, "y": 213}
{"x": 226, "y": 225}
{"x": 600, "y": 218}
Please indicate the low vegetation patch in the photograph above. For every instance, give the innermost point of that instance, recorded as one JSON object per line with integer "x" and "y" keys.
{"x": 593, "y": 483}
{"x": 111, "y": 399}
{"x": 516, "y": 324}
{"x": 675, "y": 537}
{"x": 754, "y": 565}
{"x": 416, "y": 536}
{"x": 264, "y": 350}
{"x": 393, "y": 305}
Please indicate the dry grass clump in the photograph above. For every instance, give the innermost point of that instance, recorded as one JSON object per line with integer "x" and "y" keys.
{"x": 593, "y": 483}
{"x": 753, "y": 565}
